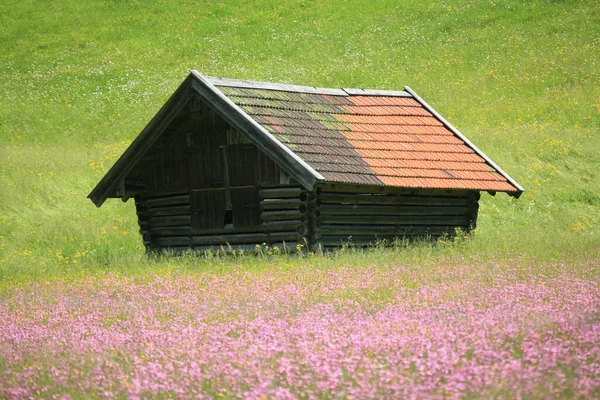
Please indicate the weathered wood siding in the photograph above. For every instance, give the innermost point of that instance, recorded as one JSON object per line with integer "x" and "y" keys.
{"x": 167, "y": 222}
{"x": 204, "y": 185}
{"x": 324, "y": 218}
{"x": 364, "y": 215}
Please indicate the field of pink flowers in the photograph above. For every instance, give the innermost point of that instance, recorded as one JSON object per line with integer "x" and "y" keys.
{"x": 372, "y": 332}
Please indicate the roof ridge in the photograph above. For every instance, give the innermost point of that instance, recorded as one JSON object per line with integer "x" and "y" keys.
{"x": 336, "y": 113}
{"x": 251, "y": 84}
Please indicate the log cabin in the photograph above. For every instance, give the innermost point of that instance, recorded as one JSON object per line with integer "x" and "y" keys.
{"x": 237, "y": 164}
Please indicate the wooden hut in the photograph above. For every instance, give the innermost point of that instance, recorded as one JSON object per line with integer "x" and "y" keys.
{"x": 241, "y": 163}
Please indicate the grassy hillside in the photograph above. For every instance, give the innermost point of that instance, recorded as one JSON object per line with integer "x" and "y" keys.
{"x": 79, "y": 80}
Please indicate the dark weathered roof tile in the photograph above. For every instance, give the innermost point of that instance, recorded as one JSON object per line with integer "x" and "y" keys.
{"x": 363, "y": 139}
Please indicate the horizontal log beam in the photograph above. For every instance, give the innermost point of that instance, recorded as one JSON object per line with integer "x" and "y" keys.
{"x": 177, "y": 220}
{"x": 337, "y": 199}
{"x": 349, "y": 188}
{"x": 337, "y": 246}
{"x": 167, "y": 201}
{"x": 364, "y": 209}
{"x": 222, "y": 189}
{"x": 163, "y": 211}
{"x": 281, "y": 215}
{"x": 288, "y": 204}
{"x": 171, "y": 241}
{"x": 266, "y": 227}
{"x": 283, "y": 193}
{"x": 170, "y": 231}
{"x": 280, "y": 226}
{"x": 281, "y": 204}
{"x": 333, "y": 240}
{"x": 394, "y": 220}
{"x": 243, "y": 238}
{"x": 386, "y": 230}
{"x": 254, "y": 238}
{"x": 283, "y": 246}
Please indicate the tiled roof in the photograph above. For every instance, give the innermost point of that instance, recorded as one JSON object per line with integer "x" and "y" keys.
{"x": 364, "y": 138}
{"x": 371, "y": 137}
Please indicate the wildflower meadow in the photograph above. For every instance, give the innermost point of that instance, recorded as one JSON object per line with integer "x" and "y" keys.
{"x": 509, "y": 311}
{"x": 338, "y": 333}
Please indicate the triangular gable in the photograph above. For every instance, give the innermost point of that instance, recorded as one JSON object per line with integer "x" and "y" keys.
{"x": 258, "y": 135}
{"x": 112, "y": 184}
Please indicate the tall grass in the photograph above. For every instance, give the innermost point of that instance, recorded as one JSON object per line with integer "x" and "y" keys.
{"x": 79, "y": 80}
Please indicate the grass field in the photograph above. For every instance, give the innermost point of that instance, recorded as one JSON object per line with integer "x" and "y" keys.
{"x": 79, "y": 80}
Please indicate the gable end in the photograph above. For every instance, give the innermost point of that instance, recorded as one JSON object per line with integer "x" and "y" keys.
{"x": 259, "y": 136}
{"x": 110, "y": 184}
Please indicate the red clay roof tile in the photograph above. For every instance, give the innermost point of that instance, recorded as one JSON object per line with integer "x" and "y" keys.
{"x": 375, "y": 140}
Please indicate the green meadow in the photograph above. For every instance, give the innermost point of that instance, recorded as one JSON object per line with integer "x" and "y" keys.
{"x": 510, "y": 311}
{"x": 79, "y": 80}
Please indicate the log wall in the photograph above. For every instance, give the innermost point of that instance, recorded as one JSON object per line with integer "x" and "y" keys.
{"x": 325, "y": 218}
{"x": 361, "y": 216}
{"x": 167, "y": 223}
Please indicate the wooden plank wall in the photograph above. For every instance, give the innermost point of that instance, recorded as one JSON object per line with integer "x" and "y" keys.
{"x": 166, "y": 223}
{"x": 323, "y": 218}
{"x": 188, "y": 154}
{"x": 365, "y": 216}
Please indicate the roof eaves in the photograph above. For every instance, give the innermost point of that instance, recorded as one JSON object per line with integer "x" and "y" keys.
{"x": 374, "y": 92}
{"x": 264, "y": 140}
{"x": 239, "y": 83}
{"x": 448, "y": 125}
{"x": 142, "y": 143}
